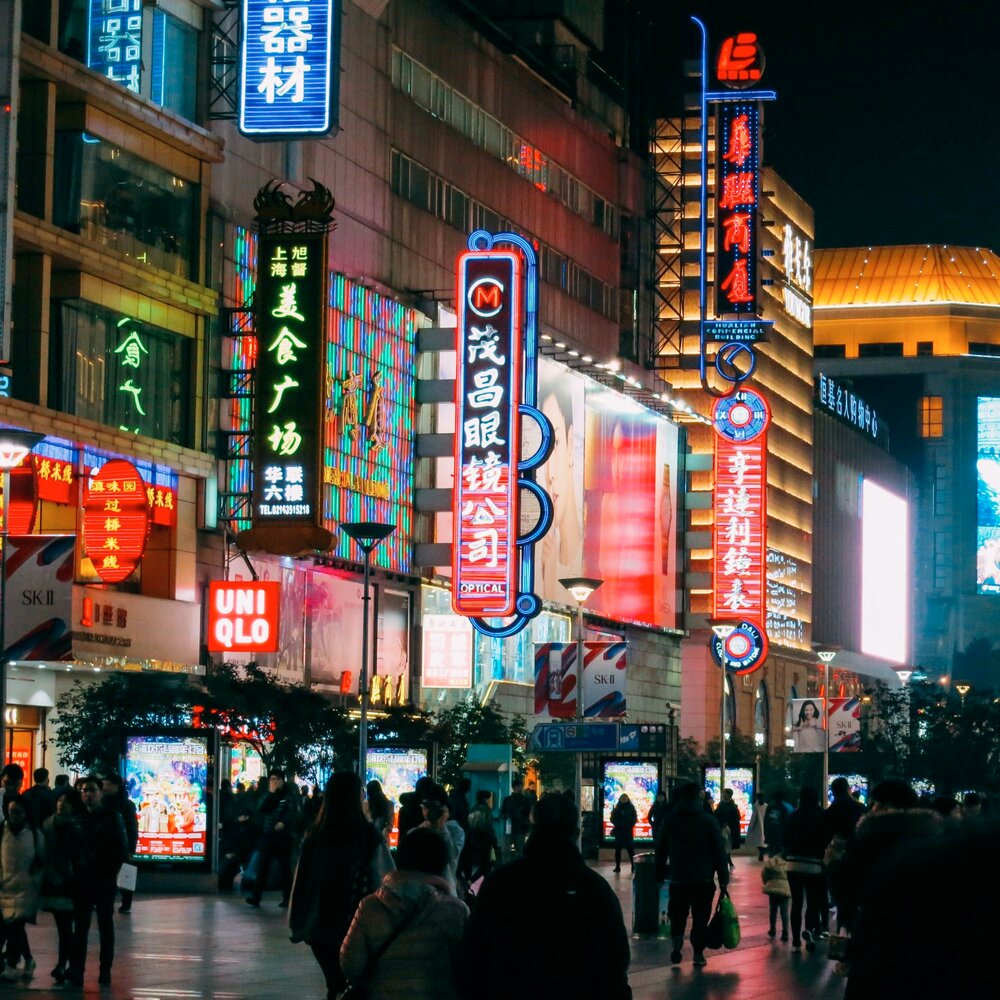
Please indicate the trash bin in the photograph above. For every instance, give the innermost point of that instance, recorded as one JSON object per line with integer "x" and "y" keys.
{"x": 645, "y": 896}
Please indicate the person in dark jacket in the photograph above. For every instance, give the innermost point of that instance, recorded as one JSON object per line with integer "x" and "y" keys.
{"x": 537, "y": 916}
{"x": 844, "y": 811}
{"x": 515, "y": 814}
{"x": 658, "y": 812}
{"x": 39, "y": 800}
{"x": 279, "y": 814}
{"x": 411, "y": 805}
{"x": 114, "y": 796}
{"x": 458, "y": 803}
{"x": 727, "y": 815}
{"x": 805, "y": 843}
{"x": 343, "y": 859}
{"x": 691, "y": 846}
{"x": 623, "y": 820}
{"x": 775, "y": 821}
{"x": 100, "y": 850}
{"x": 59, "y": 834}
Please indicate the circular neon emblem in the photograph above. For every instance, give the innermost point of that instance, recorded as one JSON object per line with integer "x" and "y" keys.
{"x": 742, "y": 650}
{"x": 742, "y": 416}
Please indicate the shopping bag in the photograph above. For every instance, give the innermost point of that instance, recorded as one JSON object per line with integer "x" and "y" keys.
{"x": 730, "y": 922}
{"x": 126, "y": 877}
{"x": 714, "y": 932}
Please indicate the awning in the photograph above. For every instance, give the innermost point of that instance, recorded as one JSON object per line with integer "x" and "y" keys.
{"x": 869, "y": 666}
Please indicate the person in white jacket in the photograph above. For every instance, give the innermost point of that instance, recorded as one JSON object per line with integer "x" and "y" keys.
{"x": 20, "y": 882}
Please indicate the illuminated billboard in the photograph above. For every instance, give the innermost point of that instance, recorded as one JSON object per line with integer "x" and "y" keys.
{"x": 640, "y": 780}
{"x": 166, "y": 777}
{"x": 885, "y": 573}
{"x": 988, "y": 496}
{"x": 243, "y": 617}
{"x": 742, "y": 780}
{"x": 397, "y": 770}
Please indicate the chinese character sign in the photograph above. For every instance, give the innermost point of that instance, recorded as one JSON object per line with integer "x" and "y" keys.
{"x": 289, "y": 67}
{"x": 446, "y": 650}
{"x": 114, "y": 43}
{"x": 740, "y": 531}
{"x": 737, "y": 188}
{"x": 291, "y": 311}
{"x": 115, "y": 520}
{"x": 485, "y": 563}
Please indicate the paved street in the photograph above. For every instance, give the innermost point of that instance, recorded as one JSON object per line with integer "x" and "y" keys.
{"x": 217, "y": 948}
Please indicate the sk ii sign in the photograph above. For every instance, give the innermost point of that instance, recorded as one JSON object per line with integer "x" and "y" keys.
{"x": 487, "y": 433}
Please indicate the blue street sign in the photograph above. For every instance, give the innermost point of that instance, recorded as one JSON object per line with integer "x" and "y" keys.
{"x": 574, "y": 737}
{"x": 290, "y": 68}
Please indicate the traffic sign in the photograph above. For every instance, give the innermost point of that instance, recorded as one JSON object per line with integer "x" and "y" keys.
{"x": 575, "y": 737}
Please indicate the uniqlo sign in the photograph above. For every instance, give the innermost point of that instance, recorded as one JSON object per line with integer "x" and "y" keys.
{"x": 740, "y": 536}
{"x": 488, "y": 385}
{"x": 243, "y": 617}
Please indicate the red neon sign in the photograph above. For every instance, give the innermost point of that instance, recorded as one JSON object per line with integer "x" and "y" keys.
{"x": 741, "y": 60}
{"x": 115, "y": 520}
{"x": 487, "y": 434}
{"x": 740, "y": 531}
{"x": 243, "y": 617}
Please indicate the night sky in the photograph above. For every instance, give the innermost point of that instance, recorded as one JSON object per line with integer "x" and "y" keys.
{"x": 888, "y": 114}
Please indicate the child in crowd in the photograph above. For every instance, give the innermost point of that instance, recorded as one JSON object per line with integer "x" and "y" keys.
{"x": 774, "y": 875}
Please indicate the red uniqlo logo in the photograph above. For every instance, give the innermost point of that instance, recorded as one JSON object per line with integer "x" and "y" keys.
{"x": 741, "y": 60}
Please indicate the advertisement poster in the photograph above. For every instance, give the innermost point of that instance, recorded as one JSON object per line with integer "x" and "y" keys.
{"x": 845, "y": 725}
{"x": 446, "y": 652}
{"x": 245, "y": 766}
{"x": 166, "y": 777}
{"x": 804, "y": 725}
{"x": 640, "y": 780}
{"x": 858, "y": 783}
{"x": 335, "y": 612}
{"x": 988, "y": 496}
{"x": 397, "y": 770}
{"x": 741, "y": 781}
{"x": 39, "y": 597}
{"x": 604, "y": 679}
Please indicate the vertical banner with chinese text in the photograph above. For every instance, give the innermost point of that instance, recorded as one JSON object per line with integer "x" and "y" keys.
{"x": 488, "y": 386}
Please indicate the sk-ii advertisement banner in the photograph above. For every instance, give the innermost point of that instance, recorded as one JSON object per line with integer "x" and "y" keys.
{"x": 603, "y": 679}
{"x": 38, "y": 597}
{"x": 844, "y": 725}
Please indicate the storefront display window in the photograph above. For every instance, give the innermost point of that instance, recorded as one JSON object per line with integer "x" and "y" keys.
{"x": 119, "y": 201}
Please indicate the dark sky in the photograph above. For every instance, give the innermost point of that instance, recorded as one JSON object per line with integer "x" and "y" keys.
{"x": 888, "y": 114}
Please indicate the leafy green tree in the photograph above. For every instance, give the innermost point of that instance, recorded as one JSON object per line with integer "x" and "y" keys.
{"x": 471, "y": 722}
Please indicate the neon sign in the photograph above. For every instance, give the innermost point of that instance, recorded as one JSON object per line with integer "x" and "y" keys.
{"x": 291, "y": 310}
{"x": 737, "y": 196}
{"x": 243, "y": 617}
{"x": 289, "y": 68}
{"x": 740, "y": 62}
{"x": 114, "y": 42}
{"x": 115, "y": 520}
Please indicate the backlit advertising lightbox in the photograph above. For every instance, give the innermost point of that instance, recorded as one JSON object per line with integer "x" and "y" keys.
{"x": 742, "y": 780}
{"x": 640, "y": 781}
{"x": 885, "y": 573}
{"x": 988, "y": 496}
{"x": 397, "y": 770}
{"x": 166, "y": 777}
{"x": 858, "y": 783}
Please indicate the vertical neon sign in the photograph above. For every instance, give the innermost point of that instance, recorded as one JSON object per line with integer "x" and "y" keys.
{"x": 488, "y": 389}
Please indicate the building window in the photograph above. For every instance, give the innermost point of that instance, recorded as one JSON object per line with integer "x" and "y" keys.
{"x": 925, "y": 348}
{"x": 940, "y": 491}
{"x": 940, "y": 567}
{"x": 894, "y": 350}
{"x": 175, "y": 65}
{"x": 120, "y": 372}
{"x": 989, "y": 350}
{"x": 931, "y": 416}
{"x": 113, "y": 198}
{"x": 761, "y": 717}
{"x": 829, "y": 351}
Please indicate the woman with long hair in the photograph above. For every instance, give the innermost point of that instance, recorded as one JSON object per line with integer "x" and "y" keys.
{"x": 808, "y": 734}
{"x": 343, "y": 860}
{"x": 380, "y": 808}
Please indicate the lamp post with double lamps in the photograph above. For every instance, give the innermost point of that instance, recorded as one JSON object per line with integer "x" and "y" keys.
{"x": 826, "y": 655}
{"x": 367, "y": 534}
{"x": 15, "y": 447}
{"x": 581, "y": 587}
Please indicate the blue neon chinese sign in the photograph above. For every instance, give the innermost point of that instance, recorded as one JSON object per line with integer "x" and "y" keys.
{"x": 114, "y": 42}
{"x": 289, "y": 67}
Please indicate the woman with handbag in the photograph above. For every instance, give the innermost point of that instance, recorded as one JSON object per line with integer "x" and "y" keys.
{"x": 343, "y": 859}
{"x": 404, "y": 941}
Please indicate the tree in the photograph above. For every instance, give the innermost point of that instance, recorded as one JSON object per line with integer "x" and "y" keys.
{"x": 470, "y": 722}
{"x": 94, "y": 719}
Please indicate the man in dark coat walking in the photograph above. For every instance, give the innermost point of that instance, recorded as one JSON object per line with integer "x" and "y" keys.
{"x": 537, "y": 916}
{"x": 279, "y": 815}
{"x": 727, "y": 815}
{"x": 113, "y": 795}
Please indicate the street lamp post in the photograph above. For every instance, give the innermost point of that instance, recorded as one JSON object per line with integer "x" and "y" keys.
{"x": 581, "y": 587}
{"x": 367, "y": 534}
{"x": 15, "y": 446}
{"x": 826, "y": 658}
{"x": 723, "y": 630}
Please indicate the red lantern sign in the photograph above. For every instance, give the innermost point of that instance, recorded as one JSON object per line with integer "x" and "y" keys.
{"x": 115, "y": 520}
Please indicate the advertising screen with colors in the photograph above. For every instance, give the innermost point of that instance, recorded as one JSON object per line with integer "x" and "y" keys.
{"x": 397, "y": 770}
{"x": 166, "y": 777}
{"x": 741, "y": 781}
{"x": 640, "y": 781}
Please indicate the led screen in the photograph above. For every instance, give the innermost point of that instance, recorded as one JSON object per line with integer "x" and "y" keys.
{"x": 166, "y": 777}
{"x": 885, "y": 576}
{"x": 397, "y": 769}
{"x": 741, "y": 781}
{"x": 640, "y": 780}
{"x": 858, "y": 783}
{"x": 988, "y": 497}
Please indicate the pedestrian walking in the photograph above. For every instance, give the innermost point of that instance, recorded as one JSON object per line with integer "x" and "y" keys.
{"x": 727, "y": 815}
{"x": 658, "y": 813}
{"x": 59, "y": 834}
{"x": 404, "y": 940}
{"x": 774, "y": 875}
{"x": 20, "y": 879}
{"x": 39, "y": 800}
{"x": 515, "y": 813}
{"x": 411, "y": 812}
{"x": 61, "y": 787}
{"x": 546, "y": 926}
{"x": 100, "y": 851}
{"x": 805, "y": 844}
{"x": 114, "y": 796}
{"x": 755, "y": 829}
{"x": 623, "y": 820}
{"x": 380, "y": 809}
{"x": 458, "y": 803}
{"x": 481, "y": 847}
{"x": 236, "y": 844}
{"x": 11, "y": 780}
{"x": 343, "y": 859}
{"x": 692, "y": 850}
{"x": 279, "y": 813}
